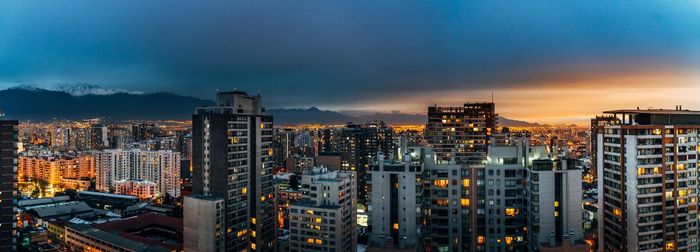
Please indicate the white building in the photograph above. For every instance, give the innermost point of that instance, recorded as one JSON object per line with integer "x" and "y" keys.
{"x": 394, "y": 205}
{"x": 161, "y": 167}
{"x": 325, "y": 220}
{"x": 555, "y": 205}
{"x": 647, "y": 180}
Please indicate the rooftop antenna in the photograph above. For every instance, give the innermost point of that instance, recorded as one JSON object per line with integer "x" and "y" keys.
{"x": 491, "y": 96}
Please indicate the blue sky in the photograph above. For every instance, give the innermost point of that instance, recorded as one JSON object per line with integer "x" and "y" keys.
{"x": 363, "y": 55}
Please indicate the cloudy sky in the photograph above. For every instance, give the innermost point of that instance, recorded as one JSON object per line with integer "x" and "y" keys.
{"x": 545, "y": 61}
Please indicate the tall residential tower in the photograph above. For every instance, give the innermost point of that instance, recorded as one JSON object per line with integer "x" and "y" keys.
{"x": 232, "y": 160}
{"x": 647, "y": 186}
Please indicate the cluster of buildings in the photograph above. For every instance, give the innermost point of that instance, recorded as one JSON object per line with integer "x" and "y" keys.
{"x": 462, "y": 184}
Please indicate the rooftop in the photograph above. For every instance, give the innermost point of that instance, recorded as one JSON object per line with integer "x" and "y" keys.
{"x": 654, "y": 111}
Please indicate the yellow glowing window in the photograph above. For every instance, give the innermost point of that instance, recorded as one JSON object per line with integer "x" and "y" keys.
{"x": 262, "y": 125}
{"x": 234, "y": 140}
{"x": 617, "y": 212}
{"x": 441, "y": 183}
{"x": 310, "y": 240}
{"x": 509, "y": 240}
{"x": 682, "y": 193}
{"x": 670, "y": 245}
{"x": 680, "y": 167}
{"x": 395, "y": 226}
{"x": 511, "y": 211}
{"x": 465, "y": 182}
{"x": 464, "y": 202}
{"x": 319, "y": 241}
{"x": 556, "y": 213}
{"x": 481, "y": 239}
{"x": 443, "y": 202}
{"x": 252, "y": 245}
{"x": 262, "y": 198}
{"x": 244, "y": 190}
{"x": 640, "y": 171}
{"x": 657, "y": 132}
{"x": 317, "y": 227}
{"x": 253, "y": 220}
{"x": 311, "y": 212}
{"x": 556, "y": 203}
{"x": 229, "y": 230}
{"x": 318, "y": 220}
{"x": 657, "y": 170}
{"x": 252, "y": 233}
{"x": 241, "y": 233}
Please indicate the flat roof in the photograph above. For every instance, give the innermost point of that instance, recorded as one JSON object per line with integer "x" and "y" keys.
{"x": 653, "y": 111}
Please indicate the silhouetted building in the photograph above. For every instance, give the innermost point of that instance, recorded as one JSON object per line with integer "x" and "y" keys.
{"x": 8, "y": 177}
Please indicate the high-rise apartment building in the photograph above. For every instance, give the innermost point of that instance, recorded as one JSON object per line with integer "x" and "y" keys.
{"x": 53, "y": 169}
{"x": 479, "y": 207}
{"x": 395, "y": 200}
{"x": 232, "y": 160}
{"x": 597, "y": 124}
{"x": 160, "y": 167}
{"x": 8, "y": 178}
{"x": 358, "y": 147}
{"x": 504, "y": 204}
{"x": 324, "y": 219}
{"x": 555, "y": 218}
{"x": 99, "y": 137}
{"x": 647, "y": 181}
{"x": 462, "y": 133}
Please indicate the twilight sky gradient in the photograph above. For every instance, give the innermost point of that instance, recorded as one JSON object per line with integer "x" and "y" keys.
{"x": 559, "y": 61}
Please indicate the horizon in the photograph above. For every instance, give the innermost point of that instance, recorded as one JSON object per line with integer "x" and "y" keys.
{"x": 550, "y": 63}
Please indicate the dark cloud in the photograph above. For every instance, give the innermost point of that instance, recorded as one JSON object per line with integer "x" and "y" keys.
{"x": 335, "y": 53}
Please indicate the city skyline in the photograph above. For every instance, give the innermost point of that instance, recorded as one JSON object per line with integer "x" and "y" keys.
{"x": 546, "y": 63}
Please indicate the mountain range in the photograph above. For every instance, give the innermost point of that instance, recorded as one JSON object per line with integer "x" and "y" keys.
{"x": 83, "y": 101}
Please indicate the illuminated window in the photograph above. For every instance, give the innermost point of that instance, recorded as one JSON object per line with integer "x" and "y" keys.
{"x": 481, "y": 239}
{"x": 465, "y": 202}
{"x": 441, "y": 183}
{"x": 395, "y": 226}
{"x": 641, "y": 171}
{"x": 509, "y": 240}
{"x": 311, "y": 212}
{"x": 443, "y": 202}
{"x": 511, "y": 211}
{"x": 670, "y": 245}
{"x": 617, "y": 212}
{"x": 556, "y": 203}
{"x": 241, "y": 233}
{"x": 262, "y": 198}
{"x": 318, "y": 220}
{"x": 556, "y": 213}
{"x": 465, "y": 182}
{"x": 244, "y": 190}
{"x": 319, "y": 241}
{"x": 252, "y": 245}
{"x": 253, "y": 220}
{"x": 252, "y": 233}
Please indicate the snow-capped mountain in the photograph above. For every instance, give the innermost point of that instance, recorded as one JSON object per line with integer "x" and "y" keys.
{"x": 81, "y": 89}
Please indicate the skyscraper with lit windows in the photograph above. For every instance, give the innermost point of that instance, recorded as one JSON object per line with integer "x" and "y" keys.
{"x": 647, "y": 181}
{"x": 462, "y": 133}
{"x": 232, "y": 160}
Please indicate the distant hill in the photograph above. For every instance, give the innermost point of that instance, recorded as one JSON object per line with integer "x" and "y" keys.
{"x": 315, "y": 115}
{"x": 88, "y": 101}
{"x": 40, "y": 104}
